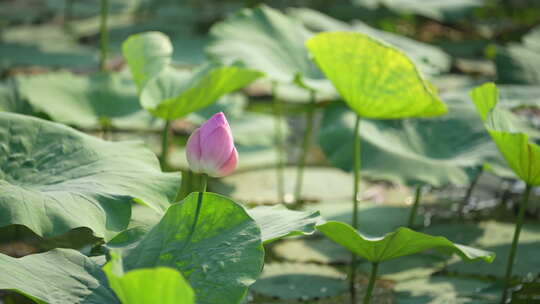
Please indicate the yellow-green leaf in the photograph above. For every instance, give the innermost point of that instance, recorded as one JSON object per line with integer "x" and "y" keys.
{"x": 170, "y": 93}
{"x": 144, "y": 286}
{"x": 375, "y": 79}
{"x": 522, "y": 156}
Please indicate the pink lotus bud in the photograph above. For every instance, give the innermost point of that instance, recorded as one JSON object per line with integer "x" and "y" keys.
{"x": 210, "y": 148}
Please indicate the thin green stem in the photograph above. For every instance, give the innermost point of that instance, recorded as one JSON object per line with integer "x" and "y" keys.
{"x": 356, "y": 189}
{"x": 356, "y": 169}
{"x": 165, "y": 144}
{"x": 414, "y": 209}
{"x": 198, "y": 209}
{"x": 202, "y": 182}
{"x": 371, "y": 285}
{"x": 278, "y": 120}
{"x": 306, "y": 143}
{"x": 469, "y": 192}
{"x": 186, "y": 185}
{"x": 103, "y": 35}
{"x": 515, "y": 241}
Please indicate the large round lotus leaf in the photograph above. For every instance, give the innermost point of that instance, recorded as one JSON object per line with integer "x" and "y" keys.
{"x": 68, "y": 276}
{"x": 87, "y": 101}
{"x": 436, "y": 151}
{"x": 65, "y": 277}
{"x": 18, "y": 241}
{"x": 43, "y": 45}
{"x": 401, "y": 242}
{"x": 520, "y": 63}
{"x": 267, "y": 40}
{"x": 216, "y": 246}
{"x": 375, "y": 79}
{"x": 440, "y": 10}
{"x": 275, "y": 222}
{"x": 54, "y": 179}
{"x": 430, "y": 59}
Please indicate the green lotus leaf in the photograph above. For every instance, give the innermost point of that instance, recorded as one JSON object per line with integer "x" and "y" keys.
{"x": 522, "y": 156}
{"x": 54, "y": 179}
{"x": 87, "y": 101}
{"x": 144, "y": 286}
{"x": 147, "y": 55}
{"x": 430, "y": 59}
{"x": 520, "y": 62}
{"x": 436, "y": 151}
{"x": 45, "y": 45}
{"x": 401, "y": 242}
{"x": 216, "y": 246}
{"x": 440, "y": 10}
{"x": 384, "y": 86}
{"x": 277, "y": 222}
{"x": 169, "y": 93}
{"x": 66, "y": 276}
{"x": 11, "y": 101}
{"x": 173, "y": 94}
{"x": 267, "y": 40}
